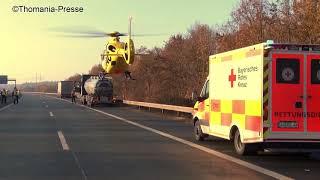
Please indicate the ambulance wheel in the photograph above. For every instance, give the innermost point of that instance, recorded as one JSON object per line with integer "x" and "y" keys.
{"x": 198, "y": 134}
{"x": 242, "y": 148}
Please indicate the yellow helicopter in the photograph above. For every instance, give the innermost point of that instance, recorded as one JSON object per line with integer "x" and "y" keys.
{"x": 117, "y": 55}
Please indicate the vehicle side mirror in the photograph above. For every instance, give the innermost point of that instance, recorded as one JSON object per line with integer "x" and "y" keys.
{"x": 200, "y": 99}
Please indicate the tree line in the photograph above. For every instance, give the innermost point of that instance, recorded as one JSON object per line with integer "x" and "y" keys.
{"x": 173, "y": 73}
{"x": 45, "y": 86}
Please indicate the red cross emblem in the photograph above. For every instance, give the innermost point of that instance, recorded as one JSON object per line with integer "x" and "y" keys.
{"x": 232, "y": 78}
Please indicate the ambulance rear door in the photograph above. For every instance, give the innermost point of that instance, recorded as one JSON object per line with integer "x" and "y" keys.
{"x": 313, "y": 95}
{"x": 295, "y": 96}
{"x": 287, "y": 96}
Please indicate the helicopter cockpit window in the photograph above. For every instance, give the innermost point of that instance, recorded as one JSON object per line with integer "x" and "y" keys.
{"x": 111, "y": 48}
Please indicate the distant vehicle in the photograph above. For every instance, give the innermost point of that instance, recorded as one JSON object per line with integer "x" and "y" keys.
{"x": 92, "y": 90}
{"x": 262, "y": 96}
{"x": 65, "y": 88}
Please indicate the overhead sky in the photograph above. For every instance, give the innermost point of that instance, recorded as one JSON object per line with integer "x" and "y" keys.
{"x": 29, "y": 49}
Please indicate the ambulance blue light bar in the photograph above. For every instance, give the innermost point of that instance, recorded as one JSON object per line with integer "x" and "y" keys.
{"x": 295, "y": 47}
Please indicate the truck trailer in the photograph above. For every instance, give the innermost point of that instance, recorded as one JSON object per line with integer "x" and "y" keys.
{"x": 92, "y": 90}
{"x": 263, "y": 96}
{"x": 65, "y": 88}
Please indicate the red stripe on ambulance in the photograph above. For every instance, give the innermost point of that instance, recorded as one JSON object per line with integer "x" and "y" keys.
{"x": 201, "y": 106}
{"x": 253, "y": 123}
{"x": 226, "y": 119}
{"x": 238, "y": 106}
{"x": 215, "y": 105}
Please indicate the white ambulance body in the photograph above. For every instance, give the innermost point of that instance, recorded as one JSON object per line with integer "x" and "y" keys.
{"x": 262, "y": 95}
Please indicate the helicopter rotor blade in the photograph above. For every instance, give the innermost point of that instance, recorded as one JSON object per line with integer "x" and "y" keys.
{"x": 79, "y": 36}
{"x": 146, "y": 35}
{"x": 116, "y": 34}
{"x": 85, "y": 32}
{"x": 77, "y": 32}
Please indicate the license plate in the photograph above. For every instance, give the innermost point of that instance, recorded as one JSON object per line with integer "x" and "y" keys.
{"x": 288, "y": 124}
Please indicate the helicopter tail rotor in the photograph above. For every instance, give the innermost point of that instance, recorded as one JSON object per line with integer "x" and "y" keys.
{"x": 129, "y": 46}
{"x": 129, "y": 52}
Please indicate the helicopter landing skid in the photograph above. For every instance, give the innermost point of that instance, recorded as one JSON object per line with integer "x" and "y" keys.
{"x": 128, "y": 75}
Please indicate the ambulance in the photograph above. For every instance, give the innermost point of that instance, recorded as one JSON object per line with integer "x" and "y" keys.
{"x": 261, "y": 96}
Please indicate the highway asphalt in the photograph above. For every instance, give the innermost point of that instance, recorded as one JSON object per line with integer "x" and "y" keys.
{"x": 9, "y": 101}
{"x": 46, "y": 138}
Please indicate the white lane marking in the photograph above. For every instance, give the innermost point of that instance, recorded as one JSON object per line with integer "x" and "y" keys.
{"x": 79, "y": 166}
{"x": 196, "y": 146}
{"x": 6, "y": 107}
{"x": 202, "y": 148}
{"x": 63, "y": 141}
{"x": 65, "y": 147}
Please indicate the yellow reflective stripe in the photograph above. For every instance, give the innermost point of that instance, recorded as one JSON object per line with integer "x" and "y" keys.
{"x": 253, "y": 108}
{"x": 266, "y": 74}
{"x": 226, "y": 106}
{"x": 265, "y": 86}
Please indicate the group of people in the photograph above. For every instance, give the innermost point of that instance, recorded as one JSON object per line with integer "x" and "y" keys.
{"x": 15, "y": 95}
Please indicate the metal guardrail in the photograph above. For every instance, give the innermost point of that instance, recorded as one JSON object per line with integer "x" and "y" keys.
{"x": 163, "y": 107}
{"x": 40, "y": 93}
{"x": 160, "y": 106}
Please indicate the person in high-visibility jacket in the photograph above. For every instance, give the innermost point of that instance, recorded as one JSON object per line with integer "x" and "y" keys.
{"x": 4, "y": 94}
{"x": 19, "y": 93}
{"x": 15, "y": 96}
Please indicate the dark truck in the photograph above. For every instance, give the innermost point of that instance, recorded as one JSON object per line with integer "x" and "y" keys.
{"x": 92, "y": 90}
{"x": 64, "y": 89}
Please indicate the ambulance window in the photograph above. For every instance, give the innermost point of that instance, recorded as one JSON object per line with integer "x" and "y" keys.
{"x": 205, "y": 90}
{"x": 288, "y": 71}
{"x": 315, "y": 71}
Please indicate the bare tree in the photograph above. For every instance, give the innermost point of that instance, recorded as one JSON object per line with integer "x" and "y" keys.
{"x": 75, "y": 77}
{"x": 170, "y": 74}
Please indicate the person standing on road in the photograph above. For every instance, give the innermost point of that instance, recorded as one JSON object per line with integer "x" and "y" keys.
{"x": 4, "y": 96}
{"x": 15, "y": 96}
{"x": 19, "y": 93}
{"x": 73, "y": 95}
{"x": 1, "y": 96}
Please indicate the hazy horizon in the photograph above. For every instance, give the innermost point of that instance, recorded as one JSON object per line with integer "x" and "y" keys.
{"x": 29, "y": 49}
